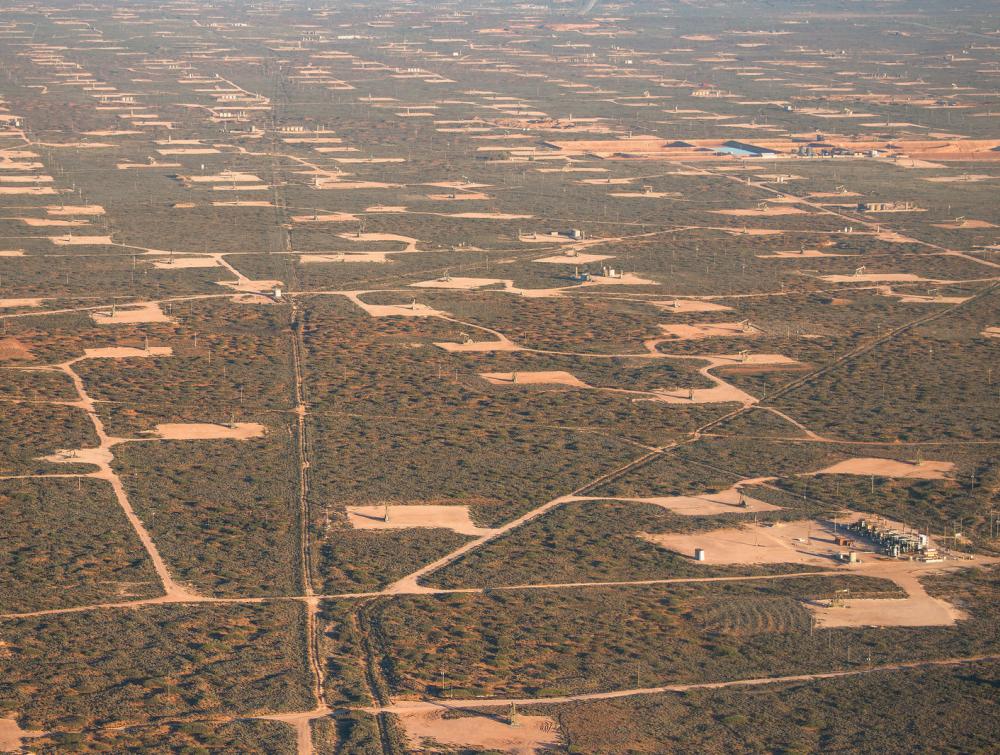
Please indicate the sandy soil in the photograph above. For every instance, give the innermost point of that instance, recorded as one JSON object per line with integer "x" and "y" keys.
{"x": 642, "y": 194}
{"x": 964, "y": 225}
{"x": 573, "y": 259}
{"x": 626, "y": 279}
{"x": 99, "y": 457}
{"x": 246, "y": 285}
{"x": 918, "y": 609}
{"x": 454, "y": 518}
{"x": 414, "y": 309}
{"x": 189, "y": 151}
{"x": 488, "y": 216}
{"x": 411, "y": 243}
{"x": 457, "y": 283}
{"x": 458, "y": 197}
{"x": 12, "y": 736}
{"x": 53, "y": 223}
{"x": 185, "y": 263}
{"x": 10, "y": 303}
{"x": 27, "y": 190}
{"x": 532, "y": 734}
{"x": 83, "y": 209}
{"x": 707, "y": 504}
{"x": 992, "y": 332}
{"x": 127, "y": 352}
{"x": 478, "y": 346}
{"x": 11, "y": 348}
{"x": 79, "y": 240}
{"x": 921, "y": 299}
{"x": 923, "y": 470}
{"x": 12, "y": 253}
{"x": 798, "y": 255}
{"x": 708, "y": 330}
{"x": 769, "y": 212}
{"x": 149, "y": 312}
{"x": 874, "y": 278}
{"x": 543, "y": 377}
{"x": 970, "y": 178}
{"x": 685, "y": 306}
{"x": 315, "y": 259}
{"x": 800, "y": 542}
{"x": 209, "y": 431}
{"x": 325, "y": 217}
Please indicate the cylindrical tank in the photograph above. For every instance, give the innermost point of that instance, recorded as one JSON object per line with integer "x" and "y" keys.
{"x": 699, "y": 554}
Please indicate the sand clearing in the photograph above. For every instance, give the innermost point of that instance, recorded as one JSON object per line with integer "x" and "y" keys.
{"x": 12, "y": 736}
{"x": 99, "y": 457}
{"x": 542, "y": 377}
{"x": 921, "y": 470}
{"x": 800, "y": 542}
{"x": 723, "y": 393}
{"x": 84, "y": 209}
{"x": 79, "y": 240}
{"x": 245, "y": 285}
{"x": 11, "y": 348}
{"x": 624, "y": 279}
{"x": 149, "y": 312}
{"x": 801, "y": 254}
{"x": 325, "y": 217}
{"x": 532, "y": 734}
{"x": 454, "y": 518}
{"x": 314, "y": 259}
{"x": 209, "y": 431}
{"x": 12, "y": 253}
{"x": 9, "y": 303}
{"x": 53, "y": 223}
{"x": 573, "y": 259}
{"x": 186, "y": 263}
{"x": 710, "y": 330}
{"x": 27, "y": 190}
{"x": 685, "y": 306}
{"x": 488, "y": 216}
{"x": 762, "y": 213}
{"x": 875, "y": 278}
{"x": 964, "y": 225}
{"x": 993, "y": 331}
{"x": 127, "y": 352}
{"x": 411, "y": 243}
{"x": 458, "y": 283}
{"x": 414, "y": 309}
{"x": 707, "y": 504}
{"x": 918, "y": 609}
{"x": 969, "y": 178}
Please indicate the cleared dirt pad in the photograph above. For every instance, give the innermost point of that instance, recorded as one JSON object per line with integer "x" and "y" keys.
{"x": 127, "y": 352}
{"x": 723, "y": 502}
{"x": 799, "y": 542}
{"x": 209, "y": 431}
{"x": 709, "y": 330}
{"x": 685, "y": 306}
{"x": 150, "y": 312}
{"x": 457, "y": 283}
{"x": 922, "y": 470}
{"x": 454, "y": 518}
{"x": 532, "y": 734}
{"x": 186, "y": 263}
{"x": 11, "y": 348}
{"x": 550, "y": 377}
{"x": 13, "y": 737}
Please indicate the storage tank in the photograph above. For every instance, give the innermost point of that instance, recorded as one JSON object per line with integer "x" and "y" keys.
{"x": 699, "y": 554}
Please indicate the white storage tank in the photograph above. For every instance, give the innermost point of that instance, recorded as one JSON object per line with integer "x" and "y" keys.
{"x": 699, "y": 554}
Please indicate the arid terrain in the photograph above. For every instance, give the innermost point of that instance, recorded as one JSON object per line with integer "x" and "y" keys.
{"x": 473, "y": 376}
